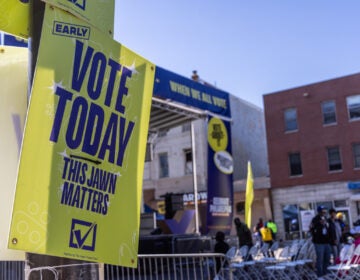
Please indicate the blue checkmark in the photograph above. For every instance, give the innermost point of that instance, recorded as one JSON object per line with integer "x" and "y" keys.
{"x": 81, "y": 240}
{"x": 83, "y": 235}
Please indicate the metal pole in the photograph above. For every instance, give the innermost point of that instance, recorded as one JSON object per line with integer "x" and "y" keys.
{"x": 193, "y": 152}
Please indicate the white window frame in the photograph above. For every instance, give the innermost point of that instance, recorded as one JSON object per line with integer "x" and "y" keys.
{"x": 354, "y": 102}
{"x": 329, "y": 112}
{"x": 289, "y": 121}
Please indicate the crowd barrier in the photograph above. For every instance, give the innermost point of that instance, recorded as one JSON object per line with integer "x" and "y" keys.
{"x": 167, "y": 266}
{"x": 160, "y": 257}
{"x": 150, "y": 267}
{"x": 12, "y": 270}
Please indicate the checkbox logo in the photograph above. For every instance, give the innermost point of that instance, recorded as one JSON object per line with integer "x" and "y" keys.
{"x": 83, "y": 235}
{"x": 79, "y": 3}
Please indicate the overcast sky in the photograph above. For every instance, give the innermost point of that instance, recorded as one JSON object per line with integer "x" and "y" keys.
{"x": 247, "y": 48}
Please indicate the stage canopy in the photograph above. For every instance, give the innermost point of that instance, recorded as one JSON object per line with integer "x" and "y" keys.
{"x": 177, "y": 100}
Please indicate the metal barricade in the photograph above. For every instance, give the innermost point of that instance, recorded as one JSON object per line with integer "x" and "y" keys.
{"x": 13, "y": 270}
{"x": 200, "y": 266}
{"x": 167, "y": 266}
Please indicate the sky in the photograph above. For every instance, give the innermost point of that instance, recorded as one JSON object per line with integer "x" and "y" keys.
{"x": 247, "y": 48}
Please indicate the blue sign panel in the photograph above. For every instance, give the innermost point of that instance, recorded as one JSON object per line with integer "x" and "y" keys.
{"x": 220, "y": 178}
{"x": 169, "y": 85}
{"x": 354, "y": 185}
{"x": 10, "y": 40}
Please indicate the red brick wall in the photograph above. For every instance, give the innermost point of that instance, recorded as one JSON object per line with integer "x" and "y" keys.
{"x": 312, "y": 136}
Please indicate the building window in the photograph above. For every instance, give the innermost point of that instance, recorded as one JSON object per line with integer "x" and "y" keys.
{"x": 291, "y": 221}
{"x": 290, "y": 118}
{"x": 186, "y": 127}
{"x": 334, "y": 159}
{"x": 240, "y": 208}
{"x": 356, "y": 153}
{"x": 295, "y": 164}
{"x": 164, "y": 165}
{"x": 188, "y": 162}
{"x": 341, "y": 203}
{"x": 328, "y": 112}
{"x": 162, "y": 133}
{"x": 353, "y": 105}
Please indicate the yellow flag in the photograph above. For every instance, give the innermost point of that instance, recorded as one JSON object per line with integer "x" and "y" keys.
{"x": 249, "y": 195}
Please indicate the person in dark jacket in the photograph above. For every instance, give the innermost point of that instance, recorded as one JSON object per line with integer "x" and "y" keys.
{"x": 320, "y": 232}
{"x": 243, "y": 233}
{"x": 220, "y": 247}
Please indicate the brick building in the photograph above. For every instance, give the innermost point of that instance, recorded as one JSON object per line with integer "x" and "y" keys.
{"x": 313, "y": 140}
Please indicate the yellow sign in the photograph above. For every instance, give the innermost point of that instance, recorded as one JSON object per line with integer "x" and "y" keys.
{"x": 14, "y": 17}
{"x": 99, "y": 13}
{"x": 13, "y": 80}
{"x": 82, "y": 160}
{"x": 217, "y": 135}
{"x": 161, "y": 207}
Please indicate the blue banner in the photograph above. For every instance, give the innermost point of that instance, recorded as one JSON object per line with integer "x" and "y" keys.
{"x": 10, "y": 40}
{"x": 169, "y": 85}
{"x": 220, "y": 177}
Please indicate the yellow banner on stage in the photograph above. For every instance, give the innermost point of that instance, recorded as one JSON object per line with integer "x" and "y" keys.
{"x": 98, "y": 13}
{"x": 14, "y": 17}
{"x": 13, "y": 105}
{"x": 79, "y": 184}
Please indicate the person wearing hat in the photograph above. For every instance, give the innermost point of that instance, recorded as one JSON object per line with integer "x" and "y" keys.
{"x": 352, "y": 238}
{"x": 340, "y": 219}
{"x": 319, "y": 229}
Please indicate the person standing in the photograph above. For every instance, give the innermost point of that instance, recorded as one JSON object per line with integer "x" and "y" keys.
{"x": 266, "y": 234}
{"x": 220, "y": 247}
{"x": 340, "y": 218}
{"x": 334, "y": 233}
{"x": 271, "y": 225}
{"x": 319, "y": 229}
{"x": 259, "y": 225}
{"x": 243, "y": 233}
{"x": 256, "y": 237}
